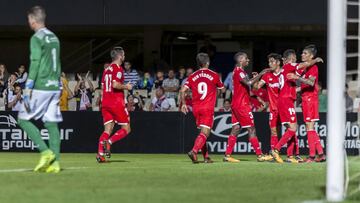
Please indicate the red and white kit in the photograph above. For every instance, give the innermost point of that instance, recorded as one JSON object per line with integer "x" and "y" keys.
{"x": 113, "y": 101}
{"x": 204, "y": 84}
{"x": 240, "y": 105}
{"x": 273, "y": 89}
{"x": 309, "y": 94}
{"x": 287, "y": 96}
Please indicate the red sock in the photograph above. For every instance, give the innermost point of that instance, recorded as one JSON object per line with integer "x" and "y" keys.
{"x": 255, "y": 144}
{"x": 290, "y": 146}
{"x": 273, "y": 141}
{"x": 230, "y": 144}
{"x": 120, "y": 134}
{"x": 318, "y": 146}
{"x": 284, "y": 139}
{"x": 204, "y": 151}
{"x": 311, "y": 142}
{"x": 199, "y": 142}
{"x": 104, "y": 136}
{"x": 297, "y": 150}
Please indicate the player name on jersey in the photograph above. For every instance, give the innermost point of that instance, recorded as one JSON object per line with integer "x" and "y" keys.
{"x": 204, "y": 75}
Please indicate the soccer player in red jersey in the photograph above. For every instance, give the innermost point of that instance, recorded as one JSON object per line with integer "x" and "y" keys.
{"x": 271, "y": 80}
{"x": 286, "y": 106}
{"x": 308, "y": 77}
{"x": 113, "y": 107}
{"x": 204, "y": 84}
{"x": 241, "y": 108}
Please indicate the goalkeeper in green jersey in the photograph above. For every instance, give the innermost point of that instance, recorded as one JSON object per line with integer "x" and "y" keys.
{"x": 42, "y": 91}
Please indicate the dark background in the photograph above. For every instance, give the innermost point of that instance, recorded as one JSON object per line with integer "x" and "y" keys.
{"x": 161, "y": 132}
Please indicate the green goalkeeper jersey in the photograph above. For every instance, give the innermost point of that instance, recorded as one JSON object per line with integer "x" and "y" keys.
{"x": 45, "y": 68}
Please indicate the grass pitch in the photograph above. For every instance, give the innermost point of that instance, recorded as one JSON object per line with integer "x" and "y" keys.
{"x": 164, "y": 178}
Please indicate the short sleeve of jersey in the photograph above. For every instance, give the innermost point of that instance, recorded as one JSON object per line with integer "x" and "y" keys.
{"x": 265, "y": 79}
{"x": 117, "y": 74}
{"x": 242, "y": 74}
{"x": 219, "y": 83}
{"x": 188, "y": 82}
{"x": 313, "y": 72}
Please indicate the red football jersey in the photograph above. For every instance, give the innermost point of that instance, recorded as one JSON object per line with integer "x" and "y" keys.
{"x": 203, "y": 84}
{"x": 261, "y": 93}
{"x": 241, "y": 92}
{"x": 110, "y": 96}
{"x": 255, "y": 104}
{"x": 287, "y": 87}
{"x": 307, "y": 90}
{"x": 273, "y": 88}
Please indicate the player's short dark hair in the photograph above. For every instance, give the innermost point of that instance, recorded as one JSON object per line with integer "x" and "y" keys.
{"x": 115, "y": 51}
{"x": 202, "y": 59}
{"x": 127, "y": 61}
{"x": 288, "y": 52}
{"x": 312, "y": 49}
{"x": 37, "y": 13}
{"x": 240, "y": 53}
{"x": 274, "y": 56}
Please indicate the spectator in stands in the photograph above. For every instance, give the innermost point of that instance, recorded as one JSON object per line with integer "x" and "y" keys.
{"x": 83, "y": 94}
{"x": 9, "y": 90}
{"x": 159, "y": 79}
{"x": 171, "y": 85}
{"x": 146, "y": 82}
{"x": 226, "y": 106}
{"x": 4, "y": 75}
{"x": 134, "y": 103}
{"x": 15, "y": 98}
{"x": 182, "y": 74}
{"x": 348, "y": 100}
{"x": 66, "y": 93}
{"x": 160, "y": 102}
{"x": 21, "y": 75}
{"x": 189, "y": 71}
{"x": 228, "y": 82}
{"x": 322, "y": 99}
{"x": 130, "y": 75}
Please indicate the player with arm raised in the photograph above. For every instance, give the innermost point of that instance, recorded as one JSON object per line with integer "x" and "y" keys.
{"x": 286, "y": 106}
{"x": 310, "y": 102}
{"x": 241, "y": 108}
{"x": 204, "y": 84}
{"x": 271, "y": 80}
{"x": 113, "y": 106}
{"x": 42, "y": 91}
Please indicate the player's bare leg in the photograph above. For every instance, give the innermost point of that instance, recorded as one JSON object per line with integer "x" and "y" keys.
{"x": 235, "y": 130}
{"x": 314, "y": 144}
{"x": 108, "y": 128}
{"x": 290, "y": 133}
{"x": 200, "y": 141}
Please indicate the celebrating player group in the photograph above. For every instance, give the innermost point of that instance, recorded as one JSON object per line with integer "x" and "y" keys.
{"x": 281, "y": 85}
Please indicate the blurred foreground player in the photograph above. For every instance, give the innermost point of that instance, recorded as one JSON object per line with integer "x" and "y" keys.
{"x": 113, "y": 106}
{"x": 241, "y": 109}
{"x": 308, "y": 77}
{"x": 42, "y": 91}
{"x": 203, "y": 83}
